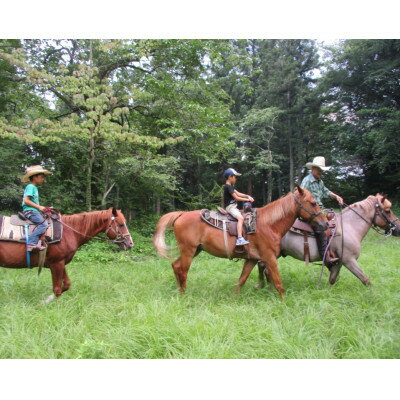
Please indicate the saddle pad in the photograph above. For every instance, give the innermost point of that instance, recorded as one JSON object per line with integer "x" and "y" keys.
{"x": 216, "y": 219}
{"x": 16, "y": 233}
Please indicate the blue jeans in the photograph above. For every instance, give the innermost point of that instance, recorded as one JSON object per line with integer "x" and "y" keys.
{"x": 42, "y": 225}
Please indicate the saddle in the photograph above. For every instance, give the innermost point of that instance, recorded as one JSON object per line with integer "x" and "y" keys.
{"x": 304, "y": 228}
{"x": 13, "y": 229}
{"x": 222, "y": 220}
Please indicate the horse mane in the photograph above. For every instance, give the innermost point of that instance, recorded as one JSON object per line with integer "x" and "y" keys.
{"x": 86, "y": 219}
{"x": 365, "y": 204}
{"x": 275, "y": 211}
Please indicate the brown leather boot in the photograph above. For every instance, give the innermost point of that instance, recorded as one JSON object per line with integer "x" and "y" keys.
{"x": 37, "y": 246}
{"x": 322, "y": 242}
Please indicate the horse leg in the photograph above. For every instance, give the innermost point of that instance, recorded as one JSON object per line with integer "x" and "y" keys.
{"x": 334, "y": 273}
{"x": 181, "y": 267}
{"x": 273, "y": 272}
{"x": 66, "y": 281}
{"x": 261, "y": 277}
{"x": 353, "y": 266}
{"x": 247, "y": 268}
{"x": 57, "y": 273}
{"x": 262, "y": 274}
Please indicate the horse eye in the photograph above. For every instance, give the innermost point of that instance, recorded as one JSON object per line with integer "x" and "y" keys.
{"x": 121, "y": 225}
{"x": 314, "y": 203}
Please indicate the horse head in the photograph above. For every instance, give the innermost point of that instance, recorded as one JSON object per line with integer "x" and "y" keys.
{"x": 384, "y": 216}
{"x": 309, "y": 210}
{"x": 118, "y": 231}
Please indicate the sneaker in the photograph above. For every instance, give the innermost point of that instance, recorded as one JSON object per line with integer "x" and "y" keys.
{"x": 241, "y": 241}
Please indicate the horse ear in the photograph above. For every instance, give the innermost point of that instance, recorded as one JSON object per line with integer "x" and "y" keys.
{"x": 384, "y": 197}
{"x": 114, "y": 211}
{"x": 301, "y": 191}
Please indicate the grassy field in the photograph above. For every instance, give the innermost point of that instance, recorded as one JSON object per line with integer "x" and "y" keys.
{"x": 125, "y": 305}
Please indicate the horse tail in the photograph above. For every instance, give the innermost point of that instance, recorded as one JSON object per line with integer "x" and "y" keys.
{"x": 165, "y": 222}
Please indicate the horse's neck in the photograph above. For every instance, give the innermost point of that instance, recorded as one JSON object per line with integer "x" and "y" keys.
{"x": 87, "y": 225}
{"x": 358, "y": 226}
{"x": 283, "y": 222}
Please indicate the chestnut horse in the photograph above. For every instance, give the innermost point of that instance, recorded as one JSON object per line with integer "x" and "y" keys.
{"x": 78, "y": 229}
{"x": 273, "y": 221}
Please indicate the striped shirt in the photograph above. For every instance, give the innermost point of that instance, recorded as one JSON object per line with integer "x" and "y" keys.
{"x": 316, "y": 187}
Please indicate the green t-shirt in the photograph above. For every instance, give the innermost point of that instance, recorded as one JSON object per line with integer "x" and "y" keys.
{"x": 33, "y": 193}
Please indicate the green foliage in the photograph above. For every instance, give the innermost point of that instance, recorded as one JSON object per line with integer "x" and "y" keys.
{"x": 361, "y": 88}
{"x": 150, "y": 125}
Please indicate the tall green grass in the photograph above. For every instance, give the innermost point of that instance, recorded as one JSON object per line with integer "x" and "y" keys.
{"x": 125, "y": 305}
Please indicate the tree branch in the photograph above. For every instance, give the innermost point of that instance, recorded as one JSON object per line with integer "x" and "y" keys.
{"x": 120, "y": 64}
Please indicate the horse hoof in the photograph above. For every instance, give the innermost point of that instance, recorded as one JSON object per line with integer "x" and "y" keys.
{"x": 48, "y": 299}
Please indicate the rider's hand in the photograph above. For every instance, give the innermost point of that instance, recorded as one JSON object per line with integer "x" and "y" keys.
{"x": 42, "y": 208}
{"x": 250, "y": 199}
{"x": 339, "y": 200}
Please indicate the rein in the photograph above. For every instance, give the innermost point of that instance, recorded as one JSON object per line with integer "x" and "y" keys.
{"x": 373, "y": 224}
{"x": 119, "y": 237}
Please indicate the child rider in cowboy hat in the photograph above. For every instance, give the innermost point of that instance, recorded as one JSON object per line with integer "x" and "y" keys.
{"x": 316, "y": 186}
{"x": 231, "y": 197}
{"x": 31, "y": 206}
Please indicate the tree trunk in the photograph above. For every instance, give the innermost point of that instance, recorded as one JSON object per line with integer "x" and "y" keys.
{"x": 158, "y": 206}
{"x": 291, "y": 155}
{"x": 270, "y": 185}
{"x": 250, "y": 186}
{"x": 263, "y": 191}
{"x": 117, "y": 197}
{"x": 105, "y": 195}
{"x": 91, "y": 159}
{"x": 280, "y": 188}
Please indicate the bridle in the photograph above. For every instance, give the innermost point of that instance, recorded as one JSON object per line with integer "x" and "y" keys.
{"x": 391, "y": 224}
{"x": 312, "y": 214}
{"x": 119, "y": 237}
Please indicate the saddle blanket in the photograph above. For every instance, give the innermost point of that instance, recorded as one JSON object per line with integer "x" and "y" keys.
{"x": 13, "y": 229}
{"x": 217, "y": 220}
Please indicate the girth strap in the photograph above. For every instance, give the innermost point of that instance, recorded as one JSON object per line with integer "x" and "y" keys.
{"x": 306, "y": 248}
{"x": 225, "y": 238}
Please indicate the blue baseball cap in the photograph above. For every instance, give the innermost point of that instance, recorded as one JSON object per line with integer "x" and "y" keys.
{"x": 229, "y": 172}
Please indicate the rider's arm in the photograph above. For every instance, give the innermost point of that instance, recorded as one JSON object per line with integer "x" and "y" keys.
{"x": 241, "y": 196}
{"x": 337, "y": 197}
{"x": 30, "y": 203}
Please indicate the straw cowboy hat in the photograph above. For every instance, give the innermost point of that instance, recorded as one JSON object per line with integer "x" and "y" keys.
{"x": 34, "y": 170}
{"x": 318, "y": 162}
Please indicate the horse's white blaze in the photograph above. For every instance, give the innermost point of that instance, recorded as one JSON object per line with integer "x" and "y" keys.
{"x": 130, "y": 237}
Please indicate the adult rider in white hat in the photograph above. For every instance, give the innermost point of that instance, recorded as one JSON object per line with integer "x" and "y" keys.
{"x": 316, "y": 186}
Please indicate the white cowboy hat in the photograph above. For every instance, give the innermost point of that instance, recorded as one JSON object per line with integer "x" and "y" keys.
{"x": 318, "y": 162}
{"x": 34, "y": 170}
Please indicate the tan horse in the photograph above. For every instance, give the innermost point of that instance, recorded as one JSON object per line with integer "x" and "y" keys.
{"x": 273, "y": 221}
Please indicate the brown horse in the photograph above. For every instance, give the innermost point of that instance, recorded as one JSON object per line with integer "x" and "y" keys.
{"x": 273, "y": 221}
{"x": 78, "y": 229}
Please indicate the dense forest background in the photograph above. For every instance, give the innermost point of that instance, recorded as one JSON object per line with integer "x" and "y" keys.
{"x": 150, "y": 125}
